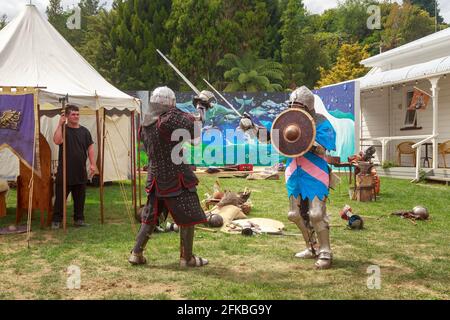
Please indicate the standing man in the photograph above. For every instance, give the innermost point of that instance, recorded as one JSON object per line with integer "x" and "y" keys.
{"x": 171, "y": 184}
{"x": 79, "y": 147}
{"x": 308, "y": 181}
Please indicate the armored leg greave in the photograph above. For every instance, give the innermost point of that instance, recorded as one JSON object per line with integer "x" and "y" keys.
{"x": 186, "y": 242}
{"x": 295, "y": 209}
{"x": 187, "y": 258}
{"x": 319, "y": 221}
{"x": 142, "y": 238}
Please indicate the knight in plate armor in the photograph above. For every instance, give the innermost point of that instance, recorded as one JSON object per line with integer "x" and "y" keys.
{"x": 308, "y": 181}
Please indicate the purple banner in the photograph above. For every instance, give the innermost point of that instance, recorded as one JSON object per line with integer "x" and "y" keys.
{"x": 17, "y": 125}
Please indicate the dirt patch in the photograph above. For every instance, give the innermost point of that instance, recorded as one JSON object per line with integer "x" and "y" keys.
{"x": 98, "y": 288}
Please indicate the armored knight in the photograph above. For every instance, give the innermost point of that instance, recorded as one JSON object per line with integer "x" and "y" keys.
{"x": 170, "y": 186}
{"x": 307, "y": 182}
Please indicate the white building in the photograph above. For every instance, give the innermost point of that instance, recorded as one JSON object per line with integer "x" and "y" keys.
{"x": 385, "y": 94}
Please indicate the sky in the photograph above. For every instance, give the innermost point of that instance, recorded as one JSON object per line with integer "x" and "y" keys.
{"x": 12, "y": 7}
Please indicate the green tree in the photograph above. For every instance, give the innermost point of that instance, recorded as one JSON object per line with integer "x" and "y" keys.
{"x": 251, "y": 74}
{"x": 301, "y": 52}
{"x": 250, "y": 21}
{"x": 347, "y": 67}
{"x": 198, "y": 39}
{"x": 404, "y": 24}
{"x": 97, "y": 48}
{"x": 430, "y": 6}
{"x": 131, "y": 33}
{"x": 293, "y": 22}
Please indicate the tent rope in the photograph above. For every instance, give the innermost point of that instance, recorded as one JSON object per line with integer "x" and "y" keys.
{"x": 30, "y": 195}
{"x": 113, "y": 156}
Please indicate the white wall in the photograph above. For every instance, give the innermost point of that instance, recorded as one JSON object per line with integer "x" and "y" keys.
{"x": 374, "y": 118}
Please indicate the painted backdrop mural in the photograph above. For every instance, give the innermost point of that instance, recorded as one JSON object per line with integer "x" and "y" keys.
{"x": 224, "y": 143}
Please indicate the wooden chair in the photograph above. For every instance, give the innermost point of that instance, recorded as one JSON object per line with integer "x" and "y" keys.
{"x": 406, "y": 148}
{"x": 43, "y": 186}
{"x": 444, "y": 149}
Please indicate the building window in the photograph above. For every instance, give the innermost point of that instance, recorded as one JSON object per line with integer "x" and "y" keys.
{"x": 410, "y": 115}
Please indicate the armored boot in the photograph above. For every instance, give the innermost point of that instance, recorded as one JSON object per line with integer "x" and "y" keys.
{"x": 319, "y": 221}
{"x": 306, "y": 230}
{"x": 137, "y": 254}
{"x": 325, "y": 257}
{"x": 187, "y": 259}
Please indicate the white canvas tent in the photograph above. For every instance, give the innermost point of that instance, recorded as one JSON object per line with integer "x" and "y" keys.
{"x": 34, "y": 54}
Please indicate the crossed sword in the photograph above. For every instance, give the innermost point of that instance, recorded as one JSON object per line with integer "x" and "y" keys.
{"x": 193, "y": 87}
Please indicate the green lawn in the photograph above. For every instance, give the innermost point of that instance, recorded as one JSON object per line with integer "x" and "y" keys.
{"x": 414, "y": 260}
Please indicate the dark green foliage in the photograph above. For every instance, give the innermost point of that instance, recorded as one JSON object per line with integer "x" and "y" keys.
{"x": 196, "y": 34}
{"x": 430, "y": 6}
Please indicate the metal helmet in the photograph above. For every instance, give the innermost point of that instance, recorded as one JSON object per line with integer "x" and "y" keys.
{"x": 304, "y": 97}
{"x": 215, "y": 220}
{"x": 163, "y": 96}
{"x": 161, "y": 99}
{"x": 420, "y": 213}
{"x": 355, "y": 222}
{"x": 205, "y": 98}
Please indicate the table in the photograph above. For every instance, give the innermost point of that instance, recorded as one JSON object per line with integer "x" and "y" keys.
{"x": 427, "y": 158}
{"x": 348, "y": 165}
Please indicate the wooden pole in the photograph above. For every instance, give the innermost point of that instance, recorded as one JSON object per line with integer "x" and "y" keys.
{"x": 99, "y": 160}
{"x": 102, "y": 168}
{"x": 133, "y": 157}
{"x": 139, "y": 160}
{"x": 64, "y": 170}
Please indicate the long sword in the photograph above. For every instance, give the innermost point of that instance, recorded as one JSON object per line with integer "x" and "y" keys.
{"x": 179, "y": 73}
{"x": 223, "y": 98}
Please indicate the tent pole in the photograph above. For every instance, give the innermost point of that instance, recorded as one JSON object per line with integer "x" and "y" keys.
{"x": 133, "y": 160}
{"x": 64, "y": 169}
{"x": 139, "y": 160}
{"x": 102, "y": 169}
{"x": 99, "y": 160}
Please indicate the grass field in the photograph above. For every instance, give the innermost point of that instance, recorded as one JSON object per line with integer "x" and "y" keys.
{"x": 414, "y": 260}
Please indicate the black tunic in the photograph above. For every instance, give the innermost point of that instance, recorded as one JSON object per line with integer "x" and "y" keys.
{"x": 78, "y": 141}
{"x": 169, "y": 184}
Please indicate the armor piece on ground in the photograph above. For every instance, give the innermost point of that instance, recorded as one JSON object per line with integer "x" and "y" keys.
{"x": 187, "y": 259}
{"x": 354, "y": 220}
{"x": 420, "y": 213}
{"x": 215, "y": 220}
{"x": 302, "y": 97}
{"x": 293, "y": 132}
{"x": 417, "y": 213}
{"x": 231, "y": 198}
{"x": 161, "y": 100}
{"x": 137, "y": 254}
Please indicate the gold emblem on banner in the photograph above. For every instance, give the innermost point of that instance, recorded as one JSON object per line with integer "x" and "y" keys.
{"x": 10, "y": 119}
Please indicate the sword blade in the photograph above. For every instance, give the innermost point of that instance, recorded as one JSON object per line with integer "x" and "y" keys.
{"x": 223, "y": 98}
{"x": 178, "y": 72}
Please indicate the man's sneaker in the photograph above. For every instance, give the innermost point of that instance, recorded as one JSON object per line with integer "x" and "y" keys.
{"x": 80, "y": 223}
{"x": 56, "y": 225}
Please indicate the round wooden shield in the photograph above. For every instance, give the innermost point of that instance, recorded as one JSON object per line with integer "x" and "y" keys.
{"x": 293, "y": 132}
